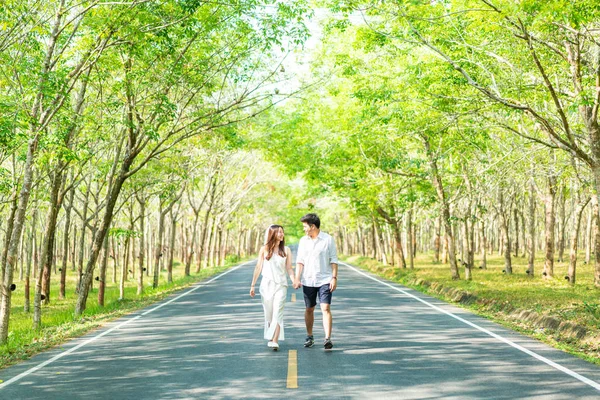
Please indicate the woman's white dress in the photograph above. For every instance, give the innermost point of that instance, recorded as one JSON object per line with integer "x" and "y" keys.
{"x": 273, "y": 292}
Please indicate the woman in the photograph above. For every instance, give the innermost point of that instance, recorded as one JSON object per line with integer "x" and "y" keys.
{"x": 273, "y": 261}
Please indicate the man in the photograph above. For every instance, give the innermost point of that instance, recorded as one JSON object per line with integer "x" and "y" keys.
{"x": 316, "y": 272}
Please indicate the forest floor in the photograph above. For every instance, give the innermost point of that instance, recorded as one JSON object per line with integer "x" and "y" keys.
{"x": 551, "y": 310}
{"x": 58, "y": 322}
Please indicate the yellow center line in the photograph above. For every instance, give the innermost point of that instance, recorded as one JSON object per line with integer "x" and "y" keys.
{"x": 293, "y": 297}
{"x": 292, "y": 377}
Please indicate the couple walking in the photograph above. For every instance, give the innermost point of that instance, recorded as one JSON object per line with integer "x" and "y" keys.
{"x": 316, "y": 273}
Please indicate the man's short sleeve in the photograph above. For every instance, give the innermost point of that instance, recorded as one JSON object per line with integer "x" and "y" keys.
{"x": 333, "y": 259}
{"x": 300, "y": 256}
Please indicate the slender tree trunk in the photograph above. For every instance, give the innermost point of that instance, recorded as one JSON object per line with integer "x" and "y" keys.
{"x": 378, "y": 245}
{"x": 74, "y": 247}
{"x": 30, "y": 245}
{"x": 562, "y": 215}
{"x": 216, "y": 226}
{"x": 9, "y": 229}
{"x": 171, "y": 247}
{"x": 437, "y": 183}
{"x": 504, "y": 223}
{"x": 465, "y": 241}
{"x": 588, "y": 234}
{"x": 102, "y": 277}
{"x": 516, "y": 218}
{"x": 574, "y": 239}
{"x": 83, "y": 234}
{"x": 437, "y": 241}
{"x": 203, "y": 237}
{"x": 550, "y": 227}
{"x": 483, "y": 244}
{"x": 445, "y": 249}
{"x": 471, "y": 253}
{"x": 192, "y": 243}
{"x": 158, "y": 250}
{"x": 596, "y": 208}
{"x": 63, "y": 270}
{"x": 373, "y": 249}
{"x": 123, "y": 269}
{"x": 531, "y": 261}
{"x": 398, "y": 240}
{"x": 218, "y": 244}
{"x": 523, "y": 235}
{"x": 409, "y": 237}
{"x": 390, "y": 246}
{"x": 140, "y": 280}
{"x": 50, "y": 234}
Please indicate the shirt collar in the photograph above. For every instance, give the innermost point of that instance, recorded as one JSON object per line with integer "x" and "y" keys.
{"x": 320, "y": 236}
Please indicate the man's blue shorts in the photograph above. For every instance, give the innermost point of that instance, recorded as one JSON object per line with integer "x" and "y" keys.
{"x": 310, "y": 295}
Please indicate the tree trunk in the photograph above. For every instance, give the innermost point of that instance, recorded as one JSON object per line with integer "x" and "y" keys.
{"x": 123, "y": 269}
{"x": 140, "y": 280}
{"x": 523, "y": 235}
{"x": 596, "y": 208}
{"x": 548, "y": 271}
{"x": 588, "y": 234}
{"x": 466, "y": 249}
{"x": 437, "y": 183}
{"x": 158, "y": 250}
{"x": 192, "y": 243}
{"x": 9, "y": 229}
{"x": 471, "y": 253}
{"x": 63, "y": 270}
{"x": 562, "y": 215}
{"x": 574, "y": 239}
{"x": 50, "y": 234}
{"x": 171, "y": 247}
{"x": 409, "y": 236}
{"x": 398, "y": 240}
{"x": 483, "y": 244}
{"x": 516, "y": 217}
{"x": 74, "y": 248}
{"x": 102, "y": 277}
{"x": 531, "y": 261}
{"x": 30, "y": 245}
{"x": 219, "y": 244}
{"x": 504, "y": 224}
{"x": 437, "y": 241}
{"x": 83, "y": 233}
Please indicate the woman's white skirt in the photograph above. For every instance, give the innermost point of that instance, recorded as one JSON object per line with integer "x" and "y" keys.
{"x": 273, "y": 298}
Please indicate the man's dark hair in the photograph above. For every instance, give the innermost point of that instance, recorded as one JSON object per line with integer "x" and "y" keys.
{"x": 312, "y": 219}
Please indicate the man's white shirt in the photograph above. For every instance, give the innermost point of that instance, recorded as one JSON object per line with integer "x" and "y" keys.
{"x": 317, "y": 255}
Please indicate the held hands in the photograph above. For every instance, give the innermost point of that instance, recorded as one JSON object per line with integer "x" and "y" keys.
{"x": 297, "y": 284}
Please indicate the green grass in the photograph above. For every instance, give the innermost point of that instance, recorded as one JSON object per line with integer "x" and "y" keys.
{"x": 578, "y": 304}
{"x": 58, "y": 320}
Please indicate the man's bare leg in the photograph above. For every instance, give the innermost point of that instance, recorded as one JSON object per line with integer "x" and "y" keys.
{"x": 327, "y": 319}
{"x": 309, "y": 320}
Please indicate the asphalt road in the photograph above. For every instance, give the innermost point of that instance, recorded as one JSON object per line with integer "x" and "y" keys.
{"x": 390, "y": 342}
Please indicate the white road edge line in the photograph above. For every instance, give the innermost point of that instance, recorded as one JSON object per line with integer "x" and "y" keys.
{"x": 61, "y": 355}
{"x": 551, "y": 363}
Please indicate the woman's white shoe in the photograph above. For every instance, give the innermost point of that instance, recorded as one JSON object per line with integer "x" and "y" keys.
{"x": 273, "y": 345}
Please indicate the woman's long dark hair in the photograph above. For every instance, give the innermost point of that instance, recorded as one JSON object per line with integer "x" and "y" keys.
{"x": 272, "y": 242}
